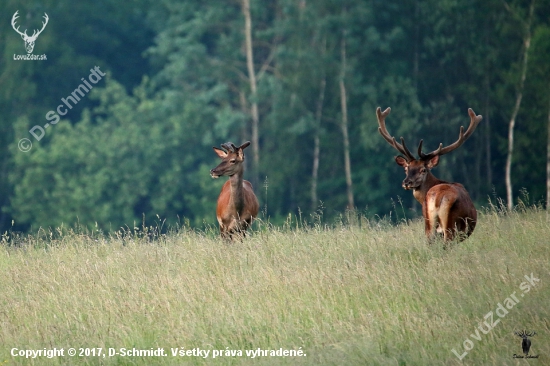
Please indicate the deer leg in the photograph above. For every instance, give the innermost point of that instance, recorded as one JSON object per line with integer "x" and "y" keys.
{"x": 470, "y": 224}
{"x": 226, "y": 235}
{"x": 230, "y": 230}
{"x": 241, "y": 234}
{"x": 225, "y": 232}
{"x": 461, "y": 228}
{"x": 431, "y": 219}
{"x": 447, "y": 231}
{"x": 448, "y": 224}
{"x": 429, "y": 228}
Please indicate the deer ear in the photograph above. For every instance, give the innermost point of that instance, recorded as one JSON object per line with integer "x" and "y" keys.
{"x": 432, "y": 163}
{"x": 222, "y": 154}
{"x": 401, "y": 161}
{"x": 245, "y": 145}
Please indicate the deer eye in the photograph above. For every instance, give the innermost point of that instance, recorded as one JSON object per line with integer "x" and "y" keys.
{"x": 423, "y": 170}
{"x": 232, "y": 161}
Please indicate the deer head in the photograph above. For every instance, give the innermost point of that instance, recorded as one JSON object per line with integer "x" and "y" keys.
{"x": 232, "y": 159}
{"x": 417, "y": 170}
{"x": 29, "y": 41}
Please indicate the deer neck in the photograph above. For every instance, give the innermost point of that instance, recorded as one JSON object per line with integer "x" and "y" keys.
{"x": 430, "y": 181}
{"x": 237, "y": 191}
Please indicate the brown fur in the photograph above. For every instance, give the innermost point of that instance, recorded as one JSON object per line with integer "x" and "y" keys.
{"x": 232, "y": 221}
{"x": 447, "y": 207}
{"x": 237, "y": 204}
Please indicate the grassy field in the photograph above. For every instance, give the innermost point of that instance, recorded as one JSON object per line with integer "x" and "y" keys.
{"x": 366, "y": 293}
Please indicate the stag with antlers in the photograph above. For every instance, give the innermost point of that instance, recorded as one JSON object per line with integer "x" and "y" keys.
{"x": 526, "y": 342}
{"x": 29, "y": 41}
{"x": 446, "y": 207}
{"x": 237, "y": 203}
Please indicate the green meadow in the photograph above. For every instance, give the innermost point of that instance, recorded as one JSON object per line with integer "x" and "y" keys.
{"x": 352, "y": 292}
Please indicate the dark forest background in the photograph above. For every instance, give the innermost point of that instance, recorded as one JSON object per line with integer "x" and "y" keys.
{"x": 301, "y": 79}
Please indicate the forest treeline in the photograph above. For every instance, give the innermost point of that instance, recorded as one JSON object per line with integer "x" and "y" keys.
{"x": 300, "y": 79}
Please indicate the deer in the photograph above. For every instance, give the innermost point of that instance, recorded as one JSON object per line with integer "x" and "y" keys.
{"x": 29, "y": 41}
{"x": 526, "y": 342}
{"x": 237, "y": 204}
{"x": 446, "y": 207}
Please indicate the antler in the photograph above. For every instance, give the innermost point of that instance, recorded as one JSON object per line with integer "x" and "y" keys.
{"x": 525, "y": 333}
{"x": 244, "y": 145}
{"x": 474, "y": 121}
{"x": 229, "y": 147}
{"x": 43, "y": 26}
{"x": 13, "y": 19}
{"x": 402, "y": 148}
{"x": 24, "y": 34}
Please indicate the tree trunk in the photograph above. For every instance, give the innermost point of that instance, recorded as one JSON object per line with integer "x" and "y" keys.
{"x": 519, "y": 96}
{"x": 488, "y": 158}
{"x": 548, "y": 162}
{"x": 316, "y": 144}
{"x": 416, "y": 56}
{"x": 343, "y": 100}
{"x": 253, "y": 91}
{"x": 244, "y": 129}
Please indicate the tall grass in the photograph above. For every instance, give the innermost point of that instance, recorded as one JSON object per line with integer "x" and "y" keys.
{"x": 353, "y": 293}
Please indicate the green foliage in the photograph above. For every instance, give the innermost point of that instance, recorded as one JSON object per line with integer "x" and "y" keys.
{"x": 139, "y": 145}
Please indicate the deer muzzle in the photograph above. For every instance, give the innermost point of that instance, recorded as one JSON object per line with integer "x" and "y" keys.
{"x": 213, "y": 174}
